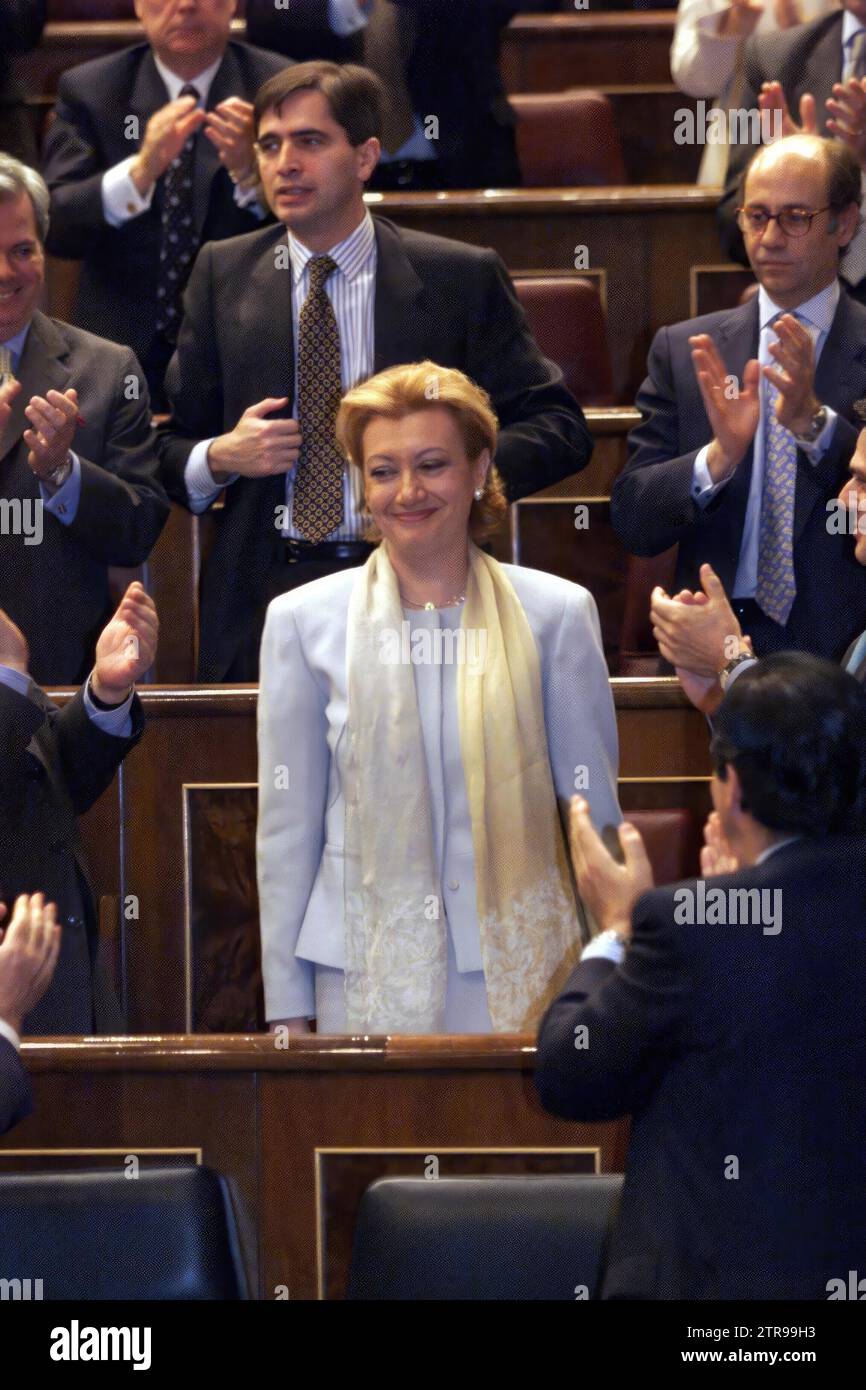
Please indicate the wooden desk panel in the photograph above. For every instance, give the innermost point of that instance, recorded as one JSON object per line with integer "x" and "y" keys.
{"x": 298, "y": 1131}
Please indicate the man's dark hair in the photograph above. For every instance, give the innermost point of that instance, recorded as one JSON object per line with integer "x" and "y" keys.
{"x": 354, "y": 94}
{"x": 794, "y": 727}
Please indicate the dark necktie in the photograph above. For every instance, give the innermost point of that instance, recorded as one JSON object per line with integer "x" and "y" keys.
{"x": 317, "y": 507}
{"x": 177, "y": 245}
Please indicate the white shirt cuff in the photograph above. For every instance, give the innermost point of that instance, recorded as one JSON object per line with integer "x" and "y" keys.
{"x": 345, "y": 17}
{"x": 200, "y": 486}
{"x": 606, "y": 946}
{"x": 121, "y": 200}
{"x": 8, "y": 1032}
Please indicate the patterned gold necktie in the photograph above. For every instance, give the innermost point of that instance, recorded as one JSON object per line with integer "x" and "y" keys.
{"x": 317, "y": 509}
{"x": 6, "y": 373}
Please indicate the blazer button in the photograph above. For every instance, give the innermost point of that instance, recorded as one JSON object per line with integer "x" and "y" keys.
{"x": 453, "y": 886}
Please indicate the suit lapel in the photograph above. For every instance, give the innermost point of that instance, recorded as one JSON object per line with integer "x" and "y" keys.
{"x": 738, "y": 344}
{"x": 839, "y": 380}
{"x": 149, "y": 92}
{"x": 42, "y": 368}
{"x": 269, "y": 297}
{"x": 399, "y": 291}
{"x": 227, "y": 82}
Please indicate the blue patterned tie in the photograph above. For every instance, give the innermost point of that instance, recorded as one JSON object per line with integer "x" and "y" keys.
{"x": 858, "y": 655}
{"x": 776, "y": 588}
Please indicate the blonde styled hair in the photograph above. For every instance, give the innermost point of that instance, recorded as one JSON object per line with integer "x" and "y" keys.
{"x": 402, "y": 391}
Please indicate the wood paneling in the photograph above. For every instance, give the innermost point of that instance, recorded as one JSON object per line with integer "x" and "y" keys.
{"x": 271, "y": 1119}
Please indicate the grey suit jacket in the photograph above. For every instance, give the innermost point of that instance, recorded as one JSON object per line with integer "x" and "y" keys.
{"x": 57, "y": 591}
{"x": 303, "y": 708}
{"x": 435, "y": 298}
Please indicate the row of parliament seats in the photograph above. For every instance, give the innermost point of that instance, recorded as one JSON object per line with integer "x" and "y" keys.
{"x": 635, "y": 136}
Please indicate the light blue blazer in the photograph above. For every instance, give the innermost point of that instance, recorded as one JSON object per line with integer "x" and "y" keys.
{"x": 301, "y": 726}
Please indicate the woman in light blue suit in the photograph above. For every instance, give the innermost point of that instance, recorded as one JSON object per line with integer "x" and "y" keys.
{"x": 423, "y": 722}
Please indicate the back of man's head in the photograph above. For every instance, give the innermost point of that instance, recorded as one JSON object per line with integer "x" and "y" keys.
{"x": 794, "y": 727}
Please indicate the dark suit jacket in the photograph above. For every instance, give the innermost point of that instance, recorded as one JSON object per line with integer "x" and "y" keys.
{"x": 16, "y": 1100}
{"x": 727, "y": 1045}
{"x": 57, "y": 592}
{"x": 452, "y": 72}
{"x": 21, "y": 23}
{"x": 807, "y": 58}
{"x": 652, "y": 507}
{"x": 56, "y": 763}
{"x": 117, "y": 292}
{"x": 435, "y": 298}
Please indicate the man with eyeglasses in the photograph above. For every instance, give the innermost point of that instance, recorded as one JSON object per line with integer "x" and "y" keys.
{"x": 748, "y": 420}
{"x": 813, "y": 77}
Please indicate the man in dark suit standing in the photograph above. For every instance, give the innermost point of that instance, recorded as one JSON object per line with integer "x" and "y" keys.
{"x": 56, "y": 763}
{"x": 149, "y": 156}
{"x": 437, "y": 60}
{"x": 809, "y": 78}
{"x": 277, "y": 326}
{"x": 78, "y": 471}
{"x": 747, "y": 424}
{"x": 29, "y": 948}
{"x": 21, "y": 24}
{"x": 725, "y": 1014}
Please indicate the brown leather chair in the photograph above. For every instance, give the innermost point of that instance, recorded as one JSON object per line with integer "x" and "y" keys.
{"x": 567, "y": 138}
{"x": 567, "y": 319}
{"x": 638, "y": 652}
{"x": 673, "y": 841}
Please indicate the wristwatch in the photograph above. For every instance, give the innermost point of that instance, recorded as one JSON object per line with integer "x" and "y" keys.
{"x": 819, "y": 420}
{"x": 730, "y": 667}
{"x": 58, "y": 476}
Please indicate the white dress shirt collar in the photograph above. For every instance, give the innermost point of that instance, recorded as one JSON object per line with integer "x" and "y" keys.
{"x": 818, "y": 311}
{"x": 851, "y": 26}
{"x": 351, "y": 255}
{"x": 202, "y": 82}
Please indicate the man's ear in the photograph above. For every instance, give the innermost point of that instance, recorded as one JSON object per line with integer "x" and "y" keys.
{"x": 367, "y": 157}
{"x": 847, "y": 220}
{"x": 735, "y": 792}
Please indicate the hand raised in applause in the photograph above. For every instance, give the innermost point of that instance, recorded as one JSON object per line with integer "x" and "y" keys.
{"x": 165, "y": 135}
{"x": 126, "y": 647}
{"x": 733, "y": 408}
{"x": 29, "y": 949}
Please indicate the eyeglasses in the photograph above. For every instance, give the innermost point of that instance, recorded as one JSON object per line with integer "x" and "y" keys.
{"x": 792, "y": 221}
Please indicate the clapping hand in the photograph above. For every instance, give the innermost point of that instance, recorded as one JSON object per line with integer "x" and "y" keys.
{"x": 609, "y": 890}
{"x": 126, "y": 647}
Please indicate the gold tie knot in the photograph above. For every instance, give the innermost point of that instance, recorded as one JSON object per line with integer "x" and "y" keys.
{"x": 320, "y": 268}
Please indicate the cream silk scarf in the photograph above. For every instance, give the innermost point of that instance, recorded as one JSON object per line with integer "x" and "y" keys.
{"x": 396, "y": 945}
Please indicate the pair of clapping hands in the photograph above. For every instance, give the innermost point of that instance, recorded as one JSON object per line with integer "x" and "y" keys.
{"x": 53, "y": 419}
{"x": 609, "y": 888}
